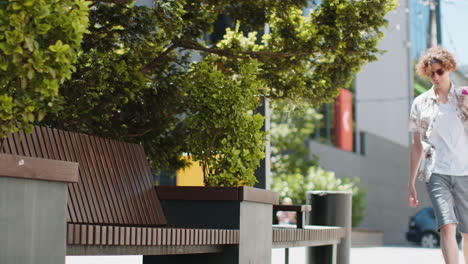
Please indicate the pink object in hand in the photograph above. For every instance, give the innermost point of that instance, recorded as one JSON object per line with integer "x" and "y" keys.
{"x": 465, "y": 90}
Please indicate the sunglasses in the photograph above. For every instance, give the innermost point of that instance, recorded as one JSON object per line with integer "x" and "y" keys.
{"x": 439, "y": 72}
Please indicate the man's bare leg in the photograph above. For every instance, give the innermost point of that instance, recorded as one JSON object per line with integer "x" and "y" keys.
{"x": 465, "y": 246}
{"x": 448, "y": 243}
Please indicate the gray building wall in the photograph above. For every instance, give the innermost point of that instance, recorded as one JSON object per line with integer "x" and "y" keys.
{"x": 384, "y": 87}
{"x": 383, "y": 171}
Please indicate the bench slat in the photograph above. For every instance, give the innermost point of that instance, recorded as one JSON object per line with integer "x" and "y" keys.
{"x": 98, "y": 182}
{"x": 82, "y": 234}
{"x": 131, "y": 203}
{"x": 71, "y": 202}
{"x": 86, "y": 190}
{"x": 112, "y": 212}
{"x": 309, "y": 236}
{"x": 114, "y": 187}
{"x": 19, "y": 147}
{"x": 129, "y": 155}
{"x": 93, "y": 185}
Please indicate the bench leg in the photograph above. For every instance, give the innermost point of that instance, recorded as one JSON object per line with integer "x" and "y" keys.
{"x": 286, "y": 256}
{"x": 335, "y": 253}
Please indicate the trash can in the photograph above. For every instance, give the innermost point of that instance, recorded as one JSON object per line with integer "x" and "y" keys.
{"x": 330, "y": 208}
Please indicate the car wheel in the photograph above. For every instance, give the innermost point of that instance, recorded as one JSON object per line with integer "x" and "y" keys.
{"x": 429, "y": 240}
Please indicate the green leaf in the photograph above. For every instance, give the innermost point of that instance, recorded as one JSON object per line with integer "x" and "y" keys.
{"x": 41, "y": 115}
{"x": 28, "y": 44}
{"x": 5, "y": 48}
{"x": 57, "y": 46}
{"x": 31, "y": 73}
{"x": 15, "y": 6}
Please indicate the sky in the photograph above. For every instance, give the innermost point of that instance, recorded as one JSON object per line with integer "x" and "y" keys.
{"x": 454, "y": 19}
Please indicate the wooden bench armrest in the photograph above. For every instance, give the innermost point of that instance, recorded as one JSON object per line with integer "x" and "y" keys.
{"x": 299, "y": 209}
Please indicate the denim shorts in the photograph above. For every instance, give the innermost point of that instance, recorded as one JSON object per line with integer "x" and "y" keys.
{"x": 449, "y": 197}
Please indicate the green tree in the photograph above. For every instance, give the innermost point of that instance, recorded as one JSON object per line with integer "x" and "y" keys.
{"x": 134, "y": 80}
{"x": 127, "y": 84}
{"x": 39, "y": 42}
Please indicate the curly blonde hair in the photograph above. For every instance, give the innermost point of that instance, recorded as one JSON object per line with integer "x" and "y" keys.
{"x": 433, "y": 55}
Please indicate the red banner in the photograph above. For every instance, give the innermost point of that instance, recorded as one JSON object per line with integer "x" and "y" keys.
{"x": 344, "y": 120}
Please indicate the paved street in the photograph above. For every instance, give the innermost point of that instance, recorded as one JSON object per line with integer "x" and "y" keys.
{"x": 380, "y": 255}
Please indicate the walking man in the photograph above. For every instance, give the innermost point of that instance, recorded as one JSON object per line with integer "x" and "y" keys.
{"x": 439, "y": 122}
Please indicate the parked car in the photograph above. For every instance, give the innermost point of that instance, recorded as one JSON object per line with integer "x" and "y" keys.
{"x": 423, "y": 229}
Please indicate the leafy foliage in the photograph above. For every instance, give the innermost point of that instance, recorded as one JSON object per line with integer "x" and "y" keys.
{"x": 117, "y": 93}
{"x": 294, "y": 171}
{"x": 39, "y": 42}
{"x": 289, "y": 130}
{"x": 296, "y": 185}
{"x": 225, "y": 133}
{"x": 145, "y": 73}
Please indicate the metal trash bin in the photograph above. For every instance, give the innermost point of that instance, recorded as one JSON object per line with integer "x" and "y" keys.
{"x": 330, "y": 208}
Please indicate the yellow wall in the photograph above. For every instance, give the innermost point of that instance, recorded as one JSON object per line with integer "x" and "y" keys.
{"x": 191, "y": 176}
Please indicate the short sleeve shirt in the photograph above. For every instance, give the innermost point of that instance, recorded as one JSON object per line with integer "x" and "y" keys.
{"x": 424, "y": 110}
{"x": 450, "y": 139}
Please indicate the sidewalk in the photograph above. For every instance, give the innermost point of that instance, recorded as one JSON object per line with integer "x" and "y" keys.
{"x": 380, "y": 255}
{"x": 401, "y": 255}
{"x": 373, "y": 255}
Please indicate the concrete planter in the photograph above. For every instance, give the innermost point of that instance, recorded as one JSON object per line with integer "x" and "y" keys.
{"x": 247, "y": 209}
{"x": 33, "y": 209}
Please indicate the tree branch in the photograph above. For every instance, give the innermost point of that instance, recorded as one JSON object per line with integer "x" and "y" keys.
{"x": 112, "y": 1}
{"x": 190, "y": 44}
{"x": 164, "y": 119}
{"x": 144, "y": 132}
{"x": 193, "y": 45}
{"x": 158, "y": 60}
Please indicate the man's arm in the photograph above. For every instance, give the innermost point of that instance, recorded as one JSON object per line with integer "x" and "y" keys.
{"x": 415, "y": 159}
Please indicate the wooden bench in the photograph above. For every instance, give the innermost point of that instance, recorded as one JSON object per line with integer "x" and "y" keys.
{"x": 114, "y": 208}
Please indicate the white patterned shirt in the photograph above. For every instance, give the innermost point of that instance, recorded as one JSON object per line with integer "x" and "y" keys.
{"x": 424, "y": 111}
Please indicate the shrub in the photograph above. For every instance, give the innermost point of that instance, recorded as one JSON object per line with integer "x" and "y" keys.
{"x": 39, "y": 42}
{"x": 296, "y": 185}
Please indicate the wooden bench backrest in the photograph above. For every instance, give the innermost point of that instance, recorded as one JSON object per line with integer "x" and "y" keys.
{"x": 115, "y": 186}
